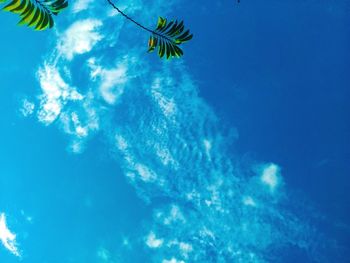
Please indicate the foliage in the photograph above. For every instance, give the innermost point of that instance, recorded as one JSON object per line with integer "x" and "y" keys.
{"x": 167, "y": 37}
{"x": 36, "y": 13}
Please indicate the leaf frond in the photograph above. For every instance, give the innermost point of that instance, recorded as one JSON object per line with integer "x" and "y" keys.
{"x": 167, "y": 37}
{"x": 37, "y": 14}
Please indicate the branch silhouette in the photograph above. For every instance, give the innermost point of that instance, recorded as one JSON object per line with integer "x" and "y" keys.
{"x": 167, "y": 36}
{"x": 135, "y": 22}
{"x": 39, "y": 14}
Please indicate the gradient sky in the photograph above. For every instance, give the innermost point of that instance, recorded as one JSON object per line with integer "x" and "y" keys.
{"x": 237, "y": 152}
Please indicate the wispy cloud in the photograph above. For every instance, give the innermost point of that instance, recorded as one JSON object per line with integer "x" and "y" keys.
{"x": 27, "y": 108}
{"x": 111, "y": 80}
{"x": 153, "y": 242}
{"x": 7, "y": 238}
{"x": 169, "y": 143}
{"x": 104, "y": 255}
{"x": 55, "y": 93}
{"x": 79, "y": 38}
{"x": 172, "y": 260}
{"x": 81, "y": 5}
{"x": 270, "y": 176}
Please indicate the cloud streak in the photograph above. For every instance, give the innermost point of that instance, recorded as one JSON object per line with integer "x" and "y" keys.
{"x": 80, "y": 38}
{"x": 169, "y": 145}
{"x": 7, "y": 238}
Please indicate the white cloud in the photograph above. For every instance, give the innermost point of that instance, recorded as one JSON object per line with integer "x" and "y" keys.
{"x": 248, "y": 201}
{"x": 174, "y": 216}
{"x": 172, "y": 260}
{"x": 80, "y": 122}
{"x": 121, "y": 143}
{"x": 128, "y": 6}
{"x": 56, "y": 92}
{"x": 145, "y": 173}
{"x": 111, "y": 80}
{"x": 207, "y": 147}
{"x": 185, "y": 247}
{"x": 112, "y": 83}
{"x": 7, "y": 238}
{"x": 81, "y": 5}
{"x": 27, "y": 108}
{"x": 164, "y": 155}
{"x": 72, "y": 124}
{"x": 270, "y": 175}
{"x": 74, "y": 112}
{"x": 104, "y": 254}
{"x": 80, "y": 38}
{"x": 169, "y": 138}
{"x": 76, "y": 146}
{"x": 166, "y": 105}
{"x": 153, "y": 242}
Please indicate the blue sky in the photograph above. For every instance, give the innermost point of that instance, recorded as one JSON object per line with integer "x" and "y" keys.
{"x": 236, "y": 152}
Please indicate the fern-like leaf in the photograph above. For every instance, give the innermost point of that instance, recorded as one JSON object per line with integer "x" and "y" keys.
{"x": 167, "y": 37}
{"x": 36, "y": 13}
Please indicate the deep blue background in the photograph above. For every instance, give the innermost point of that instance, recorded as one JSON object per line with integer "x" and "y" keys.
{"x": 278, "y": 72}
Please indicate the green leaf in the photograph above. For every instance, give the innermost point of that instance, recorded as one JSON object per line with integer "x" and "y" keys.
{"x": 167, "y": 37}
{"x": 152, "y": 43}
{"x": 186, "y": 38}
{"x": 167, "y": 27}
{"x": 178, "y": 51}
{"x": 182, "y": 36}
{"x": 12, "y": 5}
{"x": 161, "y": 50}
{"x": 161, "y": 23}
{"x": 172, "y": 29}
{"x": 36, "y": 13}
{"x": 168, "y": 50}
{"x": 19, "y": 8}
{"x": 177, "y": 29}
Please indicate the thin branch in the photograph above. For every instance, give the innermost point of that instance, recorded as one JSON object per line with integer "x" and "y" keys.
{"x": 137, "y": 23}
